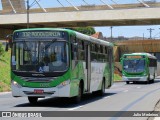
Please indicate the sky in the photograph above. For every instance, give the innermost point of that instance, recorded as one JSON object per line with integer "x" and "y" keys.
{"x": 127, "y": 31}
{"x": 130, "y": 31}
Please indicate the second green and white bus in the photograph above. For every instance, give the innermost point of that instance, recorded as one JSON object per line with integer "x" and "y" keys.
{"x": 138, "y": 67}
{"x": 48, "y": 62}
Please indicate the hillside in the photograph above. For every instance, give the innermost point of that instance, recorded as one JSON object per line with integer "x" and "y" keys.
{"x": 5, "y": 72}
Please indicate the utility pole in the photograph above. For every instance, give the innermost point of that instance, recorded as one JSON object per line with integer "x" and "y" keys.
{"x": 111, "y": 33}
{"x": 28, "y": 13}
{"x": 150, "y": 31}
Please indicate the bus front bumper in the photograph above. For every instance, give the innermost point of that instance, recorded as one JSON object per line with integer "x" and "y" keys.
{"x": 144, "y": 78}
{"x": 59, "y": 91}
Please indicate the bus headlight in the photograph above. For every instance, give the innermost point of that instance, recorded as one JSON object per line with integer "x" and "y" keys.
{"x": 64, "y": 83}
{"x": 16, "y": 84}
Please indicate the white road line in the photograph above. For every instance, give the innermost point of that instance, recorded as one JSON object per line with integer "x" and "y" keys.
{"x": 138, "y": 87}
{"x": 125, "y": 91}
{"x": 3, "y": 93}
{"x": 107, "y": 97}
{"x": 75, "y": 108}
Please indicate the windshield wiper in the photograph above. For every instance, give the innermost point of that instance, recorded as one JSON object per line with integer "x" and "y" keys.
{"x": 48, "y": 45}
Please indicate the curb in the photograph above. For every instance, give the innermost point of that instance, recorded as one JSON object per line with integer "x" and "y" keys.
{"x": 2, "y": 93}
{"x": 119, "y": 81}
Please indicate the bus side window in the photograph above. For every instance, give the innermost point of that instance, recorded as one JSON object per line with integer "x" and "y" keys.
{"x": 106, "y": 54}
{"x": 152, "y": 62}
{"x": 74, "y": 48}
{"x": 81, "y": 53}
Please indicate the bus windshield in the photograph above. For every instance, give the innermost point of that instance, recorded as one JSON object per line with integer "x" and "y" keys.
{"x": 134, "y": 66}
{"x": 40, "y": 56}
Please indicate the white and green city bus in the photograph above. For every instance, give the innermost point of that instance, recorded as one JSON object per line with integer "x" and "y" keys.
{"x": 138, "y": 67}
{"x": 48, "y": 62}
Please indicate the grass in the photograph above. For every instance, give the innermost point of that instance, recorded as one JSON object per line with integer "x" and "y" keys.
{"x": 5, "y": 72}
{"x": 117, "y": 77}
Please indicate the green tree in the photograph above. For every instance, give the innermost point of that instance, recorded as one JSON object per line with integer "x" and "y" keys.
{"x": 85, "y": 30}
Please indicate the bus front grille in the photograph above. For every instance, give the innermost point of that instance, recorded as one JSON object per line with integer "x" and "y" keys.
{"x": 36, "y": 79}
{"x": 134, "y": 79}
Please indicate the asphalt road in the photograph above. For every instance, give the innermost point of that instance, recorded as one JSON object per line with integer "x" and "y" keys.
{"x": 120, "y": 97}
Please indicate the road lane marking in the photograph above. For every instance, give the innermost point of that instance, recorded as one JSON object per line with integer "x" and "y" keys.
{"x": 138, "y": 87}
{"x": 125, "y": 91}
{"x": 3, "y": 93}
{"x": 126, "y": 108}
{"x": 75, "y": 108}
{"x": 107, "y": 97}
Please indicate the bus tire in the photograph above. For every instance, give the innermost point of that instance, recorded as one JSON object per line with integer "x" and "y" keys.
{"x": 102, "y": 91}
{"x": 154, "y": 77}
{"x": 33, "y": 100}
{"x": 148, "y": 80}
{"x": 127, "y": 82}
{"x": 78, "y": 98}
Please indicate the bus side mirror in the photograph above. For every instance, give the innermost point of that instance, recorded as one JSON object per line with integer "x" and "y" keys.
{"x": 8, "y": 42}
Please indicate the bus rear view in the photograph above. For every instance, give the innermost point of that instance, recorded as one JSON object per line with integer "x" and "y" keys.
{"x": 138, "y": 67}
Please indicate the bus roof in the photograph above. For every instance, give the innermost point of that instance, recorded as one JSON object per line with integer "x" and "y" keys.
{"x": 78, "y": 35}
{"x": 92, "y": 39}
{"x": 145, "y": 54}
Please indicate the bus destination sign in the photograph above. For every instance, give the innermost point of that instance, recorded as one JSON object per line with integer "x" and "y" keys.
{"x": 134, "y": 56}
{"x": 37, "y": 34}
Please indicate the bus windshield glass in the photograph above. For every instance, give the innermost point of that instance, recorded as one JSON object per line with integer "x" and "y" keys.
{"x": 40, "y": 56}
{"x": 134, "y": 65}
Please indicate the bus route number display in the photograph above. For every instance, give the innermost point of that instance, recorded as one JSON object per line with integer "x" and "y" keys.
{"x": 37, "y": 34}
{"x": 134, "y": 56}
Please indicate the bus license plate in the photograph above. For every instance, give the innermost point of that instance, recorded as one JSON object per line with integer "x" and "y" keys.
{"x": 36, "y": 91}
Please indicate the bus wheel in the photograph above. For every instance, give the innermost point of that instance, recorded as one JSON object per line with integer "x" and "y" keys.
{"x": 33, "y": 100}
{"x": 148, "y": 80}
{"x": 127, "y": 82}
{"x": 102, "y": 91}
{"x": 153, "y": 78}
{"x": 78, "y": 98}
{"x": 134, "y": 82}
{"x": 152, "y": 81}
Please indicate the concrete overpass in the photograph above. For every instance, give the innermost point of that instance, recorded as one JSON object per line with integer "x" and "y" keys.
{"x": 102, "y": 15}
{"x": 13, "y": 15}
{"x": 118, "y": 17}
